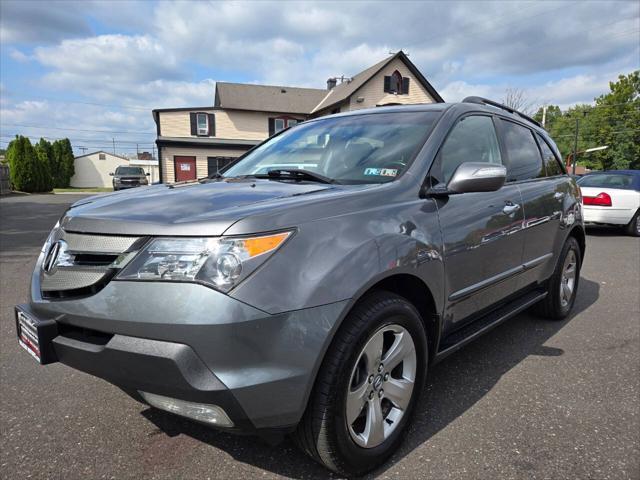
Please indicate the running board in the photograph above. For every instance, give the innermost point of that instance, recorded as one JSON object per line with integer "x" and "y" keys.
{"x": 460, "y": 338}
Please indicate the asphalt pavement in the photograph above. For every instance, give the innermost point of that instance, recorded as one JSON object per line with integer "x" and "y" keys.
{"x": 533, "y": 399}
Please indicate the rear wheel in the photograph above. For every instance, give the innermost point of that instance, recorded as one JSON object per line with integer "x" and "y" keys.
{"x": 367, "y": 387}
{"x": 633, "y": 228}
{"x": 563, "y": 284}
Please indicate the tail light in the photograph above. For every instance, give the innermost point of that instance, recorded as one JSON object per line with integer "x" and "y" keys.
{"x": 601, "y": 200}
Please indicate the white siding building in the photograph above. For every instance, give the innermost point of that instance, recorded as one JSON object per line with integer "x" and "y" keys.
{"x": 93, "y": 169}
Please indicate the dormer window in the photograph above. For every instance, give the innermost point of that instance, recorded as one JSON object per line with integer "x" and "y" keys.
{"x": 203, "y": 124}
{"x": 396, "y": 83}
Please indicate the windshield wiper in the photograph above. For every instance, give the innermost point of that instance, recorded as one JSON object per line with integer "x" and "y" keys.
{"x": 296, "y": 173}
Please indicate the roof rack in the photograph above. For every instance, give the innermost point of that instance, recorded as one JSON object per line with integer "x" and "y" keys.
{"x": 486, "y": 101}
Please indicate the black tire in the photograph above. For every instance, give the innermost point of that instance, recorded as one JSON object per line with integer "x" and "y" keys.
{"x": 323, "y": 432}
{"x": 632, "y": 228}
{"x": 552, "y": 306}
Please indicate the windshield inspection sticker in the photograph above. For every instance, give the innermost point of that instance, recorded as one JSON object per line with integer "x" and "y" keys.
{"x": 381, "y": 172}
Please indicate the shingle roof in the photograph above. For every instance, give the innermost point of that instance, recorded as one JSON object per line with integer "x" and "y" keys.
{"x": 267, "y": 98}
{"x": 343, "y": 91}
{"x": 101, "y": 151}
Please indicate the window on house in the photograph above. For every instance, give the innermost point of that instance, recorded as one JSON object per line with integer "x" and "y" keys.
{"x": 102, "y": 156}
{"x": 396, "y": 83}
{"x": 279, "y": 124}
{"x": 215, "y": 164}
{"x": 203, "y": 124}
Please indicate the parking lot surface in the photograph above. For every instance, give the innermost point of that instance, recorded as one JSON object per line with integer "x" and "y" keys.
{"x": 532, "y": 399}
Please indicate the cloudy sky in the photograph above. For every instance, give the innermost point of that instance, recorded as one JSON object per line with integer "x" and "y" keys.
{"x": 93, "y": 70}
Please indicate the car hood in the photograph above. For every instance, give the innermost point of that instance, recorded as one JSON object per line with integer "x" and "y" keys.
{"x": 188, "y": 209}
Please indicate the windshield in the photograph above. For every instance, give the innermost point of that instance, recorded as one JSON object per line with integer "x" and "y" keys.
{"x": 372, "y": 148}
{"x": 608, "y": 180}
{"x": 129, "y": 171}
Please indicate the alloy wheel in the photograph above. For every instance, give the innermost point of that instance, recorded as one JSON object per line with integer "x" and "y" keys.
{"x": 568, "y": 280}
{"x": 381, "y": 386}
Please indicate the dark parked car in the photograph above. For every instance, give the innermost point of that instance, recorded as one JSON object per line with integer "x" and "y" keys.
{"x": 129, "y": 177}
{"x": 312, "y": 300}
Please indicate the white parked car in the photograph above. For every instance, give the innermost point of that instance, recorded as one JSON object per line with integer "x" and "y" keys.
{"x": 613, "y": 198}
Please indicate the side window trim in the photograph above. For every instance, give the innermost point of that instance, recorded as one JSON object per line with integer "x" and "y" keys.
{"x": 436, "y": 166}
{"x": 507, "y": 159}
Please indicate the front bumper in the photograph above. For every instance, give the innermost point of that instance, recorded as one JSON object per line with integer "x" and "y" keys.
{"x": 193, "y": 343}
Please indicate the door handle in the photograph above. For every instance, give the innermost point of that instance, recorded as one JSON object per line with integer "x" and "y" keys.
{"x": 510, "y": 208}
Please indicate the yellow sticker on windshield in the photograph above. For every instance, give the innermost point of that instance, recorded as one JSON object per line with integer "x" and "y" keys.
{"x": 381, "y": 172}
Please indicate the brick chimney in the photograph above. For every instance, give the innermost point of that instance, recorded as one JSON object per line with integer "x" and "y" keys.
{"x": 331, "y": 83}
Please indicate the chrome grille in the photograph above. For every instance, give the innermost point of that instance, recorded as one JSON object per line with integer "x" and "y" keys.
{"x": 77, "y": 263}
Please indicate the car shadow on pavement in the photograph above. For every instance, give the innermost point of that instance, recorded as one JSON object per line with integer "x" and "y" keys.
{"x": 605, "y": 231}
{"x": 453, "y": 387}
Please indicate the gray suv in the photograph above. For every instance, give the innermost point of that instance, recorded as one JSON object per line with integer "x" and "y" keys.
{"x": 129, "y": 177}
{"x": 308, "y": 288}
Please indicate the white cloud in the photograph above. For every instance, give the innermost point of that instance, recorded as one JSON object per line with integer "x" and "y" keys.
{"x": 165, "y": 52}
{"x": 109, "y": 58}
{"x": 19, "y": 56}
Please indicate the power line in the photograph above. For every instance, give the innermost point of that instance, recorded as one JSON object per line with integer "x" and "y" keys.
{"x": 493, "y": 27}
{"x": 78, "y": 139}
{"x": 79, "y": 129}
{"x": 53, "y": 99}
{"x": 96, "y": 147}
{"x": 603, "y": 133}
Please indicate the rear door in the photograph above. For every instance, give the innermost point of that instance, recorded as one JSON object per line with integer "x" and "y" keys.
{"x": 543, "y": 190}
{"x": 481, "y": 231}
{"x": 185, "y": 168}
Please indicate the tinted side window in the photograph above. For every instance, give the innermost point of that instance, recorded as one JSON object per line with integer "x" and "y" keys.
{"x": 473, "y": 139}
{"x": 523, "y": 153}
{"x": 550, "y": 161}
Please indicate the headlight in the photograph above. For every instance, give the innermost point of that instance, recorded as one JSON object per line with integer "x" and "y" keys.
{"x": 143, "y": 181}
{"x": 220, "y": 262}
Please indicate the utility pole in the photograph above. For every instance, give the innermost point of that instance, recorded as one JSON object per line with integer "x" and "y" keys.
{"x": 84, "y": 149}
{"x": 114, "y": 145}
{"x": 575, "y": 147}
{"x": 137, "y": 152}
{"x": 544, "y": 115}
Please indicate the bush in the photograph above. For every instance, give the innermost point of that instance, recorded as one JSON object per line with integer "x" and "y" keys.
{"x": 44, "y": 150}
{"x": 26, "y": 172}
{"x": 63, "y": 163}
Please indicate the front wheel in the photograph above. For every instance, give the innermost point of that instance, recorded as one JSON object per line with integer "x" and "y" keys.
{"x": 367, "y": 386}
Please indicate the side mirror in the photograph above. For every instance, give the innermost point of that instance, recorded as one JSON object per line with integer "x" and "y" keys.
{"x": 473, "y": 177}
{"x": 111, "y": 174}
{"x": 147, "y": 174}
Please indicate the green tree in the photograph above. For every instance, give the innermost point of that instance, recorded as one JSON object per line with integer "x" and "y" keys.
{"x": 63, "y": 163}
{"x": 25, "y": 172}
{"x": 617, "y": 124}
{"x": 613, "y": 121}
{"x": 44, "y": 150}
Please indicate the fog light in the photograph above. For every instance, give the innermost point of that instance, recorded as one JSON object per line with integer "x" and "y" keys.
{"x": 201, "y": 412}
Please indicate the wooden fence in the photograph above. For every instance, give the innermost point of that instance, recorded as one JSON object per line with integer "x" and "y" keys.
{"x": 5, "y": 187}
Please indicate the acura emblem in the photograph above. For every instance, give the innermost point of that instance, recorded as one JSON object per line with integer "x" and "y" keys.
{"x": 51, "y": 259}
